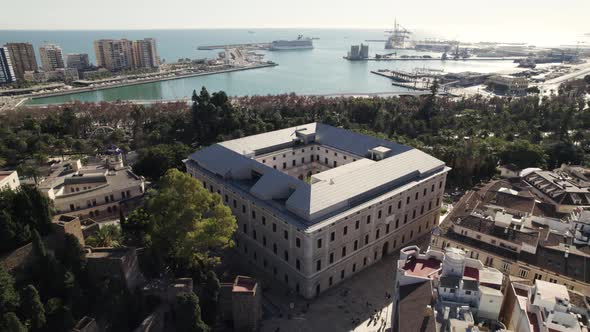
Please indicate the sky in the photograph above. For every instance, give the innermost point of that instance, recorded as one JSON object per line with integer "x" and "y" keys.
{"x": 534, "y": 21}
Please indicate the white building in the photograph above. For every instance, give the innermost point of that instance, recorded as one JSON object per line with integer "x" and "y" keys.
{"x": 94, "y": 191}
{"x": 462, "y": 292}
{"x": 542, "y": 307}
{"x": 9, "y": 180}
{"x": 316, "y": 204}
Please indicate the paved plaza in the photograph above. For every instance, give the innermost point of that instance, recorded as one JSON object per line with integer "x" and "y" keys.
{"x": 360, "y": 303}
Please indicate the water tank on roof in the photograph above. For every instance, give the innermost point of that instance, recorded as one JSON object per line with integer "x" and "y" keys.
{"x": 453, "y": 263}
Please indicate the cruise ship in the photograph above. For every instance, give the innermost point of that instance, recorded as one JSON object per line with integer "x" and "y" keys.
{"x": 299, "y": 44}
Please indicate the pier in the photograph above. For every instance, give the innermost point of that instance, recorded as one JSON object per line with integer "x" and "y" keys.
{"x": 441, "y": 59}
{"x": 418, "y": 81}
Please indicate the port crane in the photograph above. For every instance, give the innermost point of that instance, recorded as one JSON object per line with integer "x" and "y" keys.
{"x": 398, "y": 36}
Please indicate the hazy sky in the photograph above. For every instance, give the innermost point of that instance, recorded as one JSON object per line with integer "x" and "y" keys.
{"x": 538, "y": 21}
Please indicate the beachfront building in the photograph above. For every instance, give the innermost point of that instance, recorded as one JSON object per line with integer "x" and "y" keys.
{"x": 316, "y": 204}
{"x": 9, "y": 180}
{"x": 23, "y": 58}
{"x": 96, "y": 191}
{"x": 444, "y": 291}
{"x": 518, "y": 227}
{"x": 145, "y": 53}
{"x": 7, "y": 75}
{"x": 123, "y": 54}
{"x": 51, "y": 57}
{"x": 114, "y": 54}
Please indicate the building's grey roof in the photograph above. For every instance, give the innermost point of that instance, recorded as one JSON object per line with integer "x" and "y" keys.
{"x": 84, "y": 179}
{"x": 348, "y": 186}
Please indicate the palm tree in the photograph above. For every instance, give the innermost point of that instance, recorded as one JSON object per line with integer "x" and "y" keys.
{"x": 107, "y": 236}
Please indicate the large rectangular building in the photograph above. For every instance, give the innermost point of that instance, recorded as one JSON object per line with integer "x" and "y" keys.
{"x": 316, "y": 204}
{"x": 114, "y": 54}
{"x": 145, "y": 53}
{"x": 23, "y": 58}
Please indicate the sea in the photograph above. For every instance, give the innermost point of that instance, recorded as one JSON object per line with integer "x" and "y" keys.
{"x": 321, "y": 71}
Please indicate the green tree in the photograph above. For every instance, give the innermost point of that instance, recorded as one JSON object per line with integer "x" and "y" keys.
{"x": 32, "y": 308}
{"x": 523, "y": 154}
{"x": 73, "y": 257}
{"x": 137, "y": 227}
{"x": 187, "y": 313}
{"x": 59, "y": 316}
{"x": 9, "y": 297}
{"x": 210, "y": 297}
{"x": 154, "y": 161}
{"x": 11, "y": 323}
{"x": 107, "y": 236}
{"x": 188, "y": 222}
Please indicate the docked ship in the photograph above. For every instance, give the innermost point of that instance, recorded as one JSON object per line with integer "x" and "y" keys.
{"x": 300, "y": 43}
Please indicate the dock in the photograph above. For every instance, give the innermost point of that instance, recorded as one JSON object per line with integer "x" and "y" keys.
{"x": 440, "y": 59}
{"x": 412, "y": 81}
{"x": 247, "y": 46}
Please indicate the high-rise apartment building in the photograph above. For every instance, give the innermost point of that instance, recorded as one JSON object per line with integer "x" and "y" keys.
{"x": 51, "y": 57}
{"x": 6, "y": 70}
{"x": 23, "y": 58}
{"x": 145, "y": 53}
{"x": 114, "y": 54}
{"x": 317, "y": 204}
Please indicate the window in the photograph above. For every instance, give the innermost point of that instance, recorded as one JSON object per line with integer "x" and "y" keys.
{"x": 106, "y": 198}
{"x": 368, "y": 219}
{"x": 326, "y": 161}
{"x": 319, "y": 243}
{"x": 245, "y": 227}
{"x": 243, "y": 208}
{"x": 353, "y": 267}
{"x": 365, "y": 261}
{"x": 345, "y": 230}
{"x": 235, "y": 204}
{"x": 366, "y": 239}
{"x": 396, "y": 223}
{"x": 293, "y": 162}
{"x": 523, "y": 273}
{"x": 254, "y": 234}
{"x": 399, "y": 204}
{"x": 264, "y": 241}
{"x": 505, "y": 266}
{"x": 342, "y": 274}
{"x": 377, "y": 234}
{"x": 332, "y": 236}
{"x": 344, "y": 251}
{"x": 274, "y": 227}
{"x": 318, "y": 265}
{"x": 356, "y": 224}
{"x": 335, "y": 163}
{"x": 297, "y": 265}
{"x": 417, "y": 196}
{"x": 330, "y": 281}
{"x": 298, "y": 242}
{"x": 408, "y": 200}
{"x": 432, "y": 189}
{"x": 226, "y": 198}
{"x": 263, "y": 220}
{"x": 286, "y": 235}
{"x": 424, "y": 193}
{"x": 379, "y": 214}
{"x": 538, "y": 276}
{"x": 274, "y": 248}
{"x": 387, "y": 229}
{"x": 72, "y": 208}
{"x": 302, "y": 160}
{"x": 331, "y": 258}
{"x": 253, "y": 214}
{"x": 414, "y": 214}
{"x": 389, "y": 210}
{"x": 405, "y": 218}
{"x": 440, "y": 185}
{"x": 284, "y": 165}
{"x": 356, "y": 244}
{"x": 286, "y": 255}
